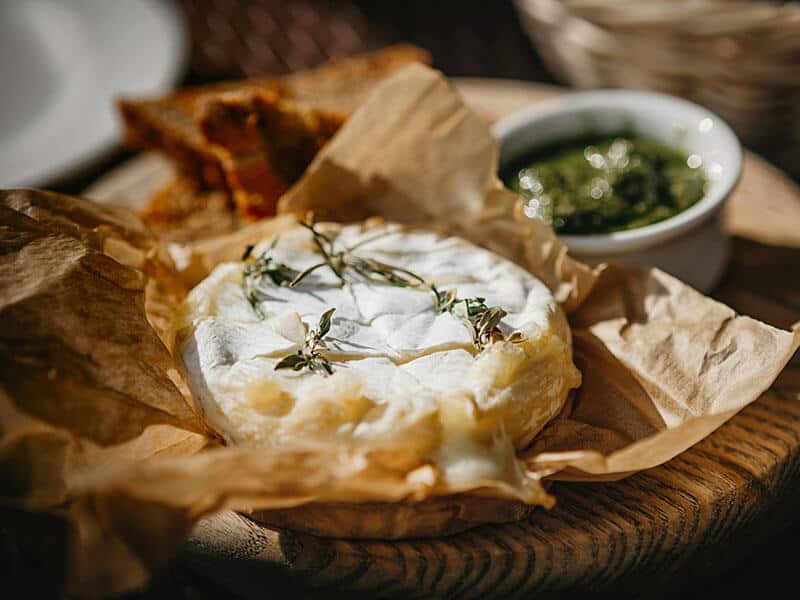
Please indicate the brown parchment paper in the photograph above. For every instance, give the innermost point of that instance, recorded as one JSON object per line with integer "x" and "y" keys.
{"x": 96, "y": 425}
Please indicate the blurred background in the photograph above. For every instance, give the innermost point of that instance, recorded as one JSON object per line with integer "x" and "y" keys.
{"x": 739, "y": 58}
{"x": 241, "y": 38}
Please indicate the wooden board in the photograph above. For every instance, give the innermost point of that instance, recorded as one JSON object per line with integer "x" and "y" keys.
{"x": 688, "y": 518}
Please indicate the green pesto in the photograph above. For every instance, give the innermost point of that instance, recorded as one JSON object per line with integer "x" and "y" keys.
{"x": 600, "y": 184}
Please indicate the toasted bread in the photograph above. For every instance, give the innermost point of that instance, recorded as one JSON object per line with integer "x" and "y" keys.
{"x": 268, "y": 142}
{"x": 254, "y": 138}
{"x": 167, "y": 124}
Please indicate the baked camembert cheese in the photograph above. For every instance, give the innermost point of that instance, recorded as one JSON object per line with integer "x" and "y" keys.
{"x": 425, "y": 348}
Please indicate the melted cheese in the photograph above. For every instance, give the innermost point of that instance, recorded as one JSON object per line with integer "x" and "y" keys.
{"x": 407, "y": 379}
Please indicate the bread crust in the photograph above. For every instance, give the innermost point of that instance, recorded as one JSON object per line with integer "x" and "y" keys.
{"x": 252, "y": 139}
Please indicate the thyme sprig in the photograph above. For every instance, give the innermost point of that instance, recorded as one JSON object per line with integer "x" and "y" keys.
{"x": 256, "y": 268}
{"x": 309, "y": 356}
{"x": 483, "y": 320}
{"x": 486, "y": 326}
{"x": 341, "y": 261}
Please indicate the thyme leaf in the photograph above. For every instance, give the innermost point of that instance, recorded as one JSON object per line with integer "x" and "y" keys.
{"x": 486, "y": 325}
{"x": 375, "y": 269}
{"x": 309, "y": 356}
{"x": 516, "y": 337}
{"x": 483, "y": 320}
{"x": 342, "y": 261}
{"x": 259, "y": 267}
{"x": 444, "y": 301}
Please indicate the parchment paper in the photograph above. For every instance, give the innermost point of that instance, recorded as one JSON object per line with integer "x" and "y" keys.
{"x": 95, "y": 422}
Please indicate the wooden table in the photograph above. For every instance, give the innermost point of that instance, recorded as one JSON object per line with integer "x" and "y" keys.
{"x": 678, "y": 524}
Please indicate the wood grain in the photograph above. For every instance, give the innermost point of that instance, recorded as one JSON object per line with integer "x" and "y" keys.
{"x": 628, "y": 536}
{"x": 639, "y": 531}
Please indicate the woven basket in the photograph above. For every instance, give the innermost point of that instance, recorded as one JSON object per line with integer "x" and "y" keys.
{"x": 741, "y": 59}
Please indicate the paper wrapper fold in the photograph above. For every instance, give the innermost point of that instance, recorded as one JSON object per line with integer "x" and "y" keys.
{"x": 95, "y": 423}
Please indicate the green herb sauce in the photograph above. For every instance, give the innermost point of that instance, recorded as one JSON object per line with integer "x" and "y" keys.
{"x": 600, "y": 184}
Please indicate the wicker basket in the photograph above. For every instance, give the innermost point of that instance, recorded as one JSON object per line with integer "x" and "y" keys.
{"x": 740, "y": 59}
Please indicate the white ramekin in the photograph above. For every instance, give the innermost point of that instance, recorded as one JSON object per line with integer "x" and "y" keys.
{"x": 691, "y": 245}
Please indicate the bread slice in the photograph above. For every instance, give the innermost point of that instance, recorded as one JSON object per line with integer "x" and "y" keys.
{"x": 254, "y": 138}
{"x": 270, "y": 135}
{"x": 268, "y": 140}
{"x": 167, "y": 124}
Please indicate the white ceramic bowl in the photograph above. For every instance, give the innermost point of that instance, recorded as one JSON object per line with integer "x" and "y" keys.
{"x": 691, "y": 245}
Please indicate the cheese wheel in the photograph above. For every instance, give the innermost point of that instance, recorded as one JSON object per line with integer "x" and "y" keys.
{"x": 408, "y": 379}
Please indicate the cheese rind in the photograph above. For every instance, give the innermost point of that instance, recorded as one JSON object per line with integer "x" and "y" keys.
{"x": 408, "y": 380}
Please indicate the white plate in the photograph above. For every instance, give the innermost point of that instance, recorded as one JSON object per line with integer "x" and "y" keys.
{"x": 62, "y": 64}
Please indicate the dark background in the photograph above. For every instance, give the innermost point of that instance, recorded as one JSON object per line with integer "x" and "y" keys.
{"x": 232, "y": 39}
{"x": 247, "y": 38}
{"x": 476, "y": 38}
